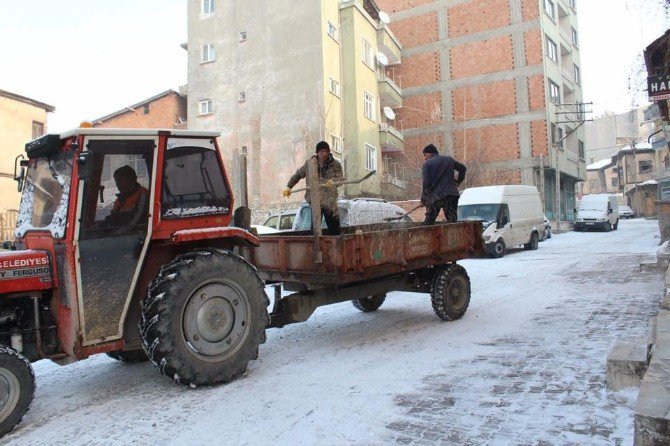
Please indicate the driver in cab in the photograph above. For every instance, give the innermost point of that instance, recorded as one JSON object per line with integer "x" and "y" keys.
{"x": 131, "y": 206}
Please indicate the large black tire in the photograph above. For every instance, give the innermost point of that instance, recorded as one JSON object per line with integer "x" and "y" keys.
{"x": 17, "y": 388}
{"x": 370, "y": 303}
{"x": 204, "y": 317}
{"x": 532, "y": 243}
{"x": 450, "y": 292}
{"x": 608, "y": 227}
{"x": 498, "y": 249}
{"x": 129, "y": 356}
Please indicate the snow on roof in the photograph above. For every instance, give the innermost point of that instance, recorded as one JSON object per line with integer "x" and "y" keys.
{"x": 650, "y": 182}
{"x": 599, "y": 164}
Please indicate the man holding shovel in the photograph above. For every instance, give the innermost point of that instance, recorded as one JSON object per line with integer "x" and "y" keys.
{"x": 330, "y": 171}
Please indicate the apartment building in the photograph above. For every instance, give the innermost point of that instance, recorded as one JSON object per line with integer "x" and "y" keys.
{"x": 277, "y": 77}
{"x": 21, "y": 120}
{"x": 497, "y": 84}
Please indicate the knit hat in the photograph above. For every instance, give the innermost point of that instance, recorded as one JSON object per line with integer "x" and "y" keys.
{"x": 321, "y": 146}
{"x": 430, "y": 149}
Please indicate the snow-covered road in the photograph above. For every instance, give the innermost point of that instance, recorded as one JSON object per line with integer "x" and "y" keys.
{"x": 524, "y": 366}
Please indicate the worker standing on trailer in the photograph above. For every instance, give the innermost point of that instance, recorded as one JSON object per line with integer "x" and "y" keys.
{"x": 440, "y": 188}
{"x": 330, "y": 171}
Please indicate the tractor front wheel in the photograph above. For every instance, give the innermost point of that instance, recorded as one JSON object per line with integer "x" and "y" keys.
{"x": 17, "y": 388}
{"x": 204, "y": 318}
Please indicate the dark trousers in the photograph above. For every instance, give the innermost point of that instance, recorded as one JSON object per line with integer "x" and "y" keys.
{"x": 448, "y": 204}
{"x": 332, "y": 218}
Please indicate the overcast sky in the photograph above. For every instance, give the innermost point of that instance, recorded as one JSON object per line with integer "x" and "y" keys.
{"x": 89, "y": 58}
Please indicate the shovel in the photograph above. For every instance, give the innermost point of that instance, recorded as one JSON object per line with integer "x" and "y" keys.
{"x": 340, "y": 183}
{"x": 403, "y": 215}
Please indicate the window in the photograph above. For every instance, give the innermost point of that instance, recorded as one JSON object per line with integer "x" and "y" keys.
{"x": 666, "y": 161}
{"x": 575, "y": 42}
{"x": 335, "y": 144}
{"x": 594, "y": 184}
{"x": 334, "y": 87}
{"x": 193, "y": 181}
{"x": 206, "y": 107}
{"x": 207, "y": 54}
{"x": 332, "y": 32}
{"x": 243, "y": 36}
{"x": 370, "y": 157}
{"x": 580, "y": 148}
{"x": 207, "y": 7}
{"x": 38, "y": 129}
{"x": 645, "y": 166}
{"x": 615, "y": 182}
{"x": 559, "y": 136}
{"x": 138, "y": 164}
{"x": 241, "y": 96}
{"x": 366, "y": 54}
{"x": 578, "y": 77}
{"x": 368, "y": 106}
{"x": 552, "y": 50}
{"x": 573, "y": 4}
{"x": 549, "y": 8}
{"x": 554, "y": 93}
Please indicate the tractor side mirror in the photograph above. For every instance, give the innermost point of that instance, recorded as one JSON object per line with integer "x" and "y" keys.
{"x": 85, "y": 165}
{"x": 20, "y": 167}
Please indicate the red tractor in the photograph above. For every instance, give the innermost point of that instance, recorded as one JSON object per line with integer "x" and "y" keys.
{"x": 139, "y": 271}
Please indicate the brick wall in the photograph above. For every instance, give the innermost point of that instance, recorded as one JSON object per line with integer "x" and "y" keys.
{"x": 418, "y": 30}
{"x": 473, "y": 17}
{"x": 484, "y": 101}
{"x": 163, "y": 112}
{"x": 493, "y": 143}
{"x": 482, "y": 57}
{"x": 420, "y": 111}
{"x": 422, "y": 69}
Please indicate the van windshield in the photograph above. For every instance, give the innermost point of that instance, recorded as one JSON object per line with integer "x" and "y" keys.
{"x": 478, "y": 212}
{"x": 593, "y": 206}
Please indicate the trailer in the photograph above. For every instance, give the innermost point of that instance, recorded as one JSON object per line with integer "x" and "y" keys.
{"x": 364, "y": 263}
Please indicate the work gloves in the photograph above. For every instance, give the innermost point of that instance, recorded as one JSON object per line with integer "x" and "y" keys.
{"x": 286, "y": 192}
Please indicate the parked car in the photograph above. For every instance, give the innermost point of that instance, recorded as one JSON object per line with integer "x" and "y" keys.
{"x": 546, "y": 234}
{"x": 353, "y": 212}
{"x": 597, "y": 211}
{"x": 512, "y": 215}
{"x": 626, "y": 212}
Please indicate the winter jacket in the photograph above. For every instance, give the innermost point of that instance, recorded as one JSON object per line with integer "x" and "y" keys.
{"x": 438, "y": 178}
{"x": 330, "y": 170}
{"x": 131, "y": 208}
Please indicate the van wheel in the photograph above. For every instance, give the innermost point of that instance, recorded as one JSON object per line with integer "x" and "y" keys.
{"x": 450, "y": 292}
{"x": 370, "y": 303}
{"x": 532, "y": 244}
{"x": 608, "y": 227}
{"x": 498, "y": 249}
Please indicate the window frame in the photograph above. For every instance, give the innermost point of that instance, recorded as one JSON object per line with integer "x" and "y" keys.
{"x": 207, "y": 53}
{"x": 577, "y": 74}
{"x": 335, "y": 143}
{"x": 574, "y": 37}
{"x": 648, "y": 166}
{"x": 333, "y": 31}
{"x": 369, "y": 106}
{"x": 370, "y": 157}
{"x": 207, "y": 7}
{"x": 552, "y": 49}
{"x": 367, "y": 55}
{"x": 334, "y": 86}
{"x": 209, "y": 103}
{"x": 553, "y": 85}
{"x": 549, "y": 8}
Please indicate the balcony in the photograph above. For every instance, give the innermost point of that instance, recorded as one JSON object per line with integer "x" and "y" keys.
{"x": 390, "y": 138}
{"x": 390, "y": 94}
{"x": 389, "y": 45}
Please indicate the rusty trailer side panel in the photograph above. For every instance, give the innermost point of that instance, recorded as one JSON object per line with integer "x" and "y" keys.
{"x": 363, "y": 254}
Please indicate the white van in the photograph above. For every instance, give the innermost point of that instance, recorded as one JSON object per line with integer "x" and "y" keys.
{"x": 597, "y": 211}
{"x": 512, "y": 215}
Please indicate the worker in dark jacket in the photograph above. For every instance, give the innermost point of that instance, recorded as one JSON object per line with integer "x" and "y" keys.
{"x": 439, "y": 186}
{"x": 330, "y": 171}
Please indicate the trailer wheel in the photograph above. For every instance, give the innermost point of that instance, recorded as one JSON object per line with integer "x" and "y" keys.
{"x": 17, "y": 388}
{"x": 370, "y": 303}
{"x": 450, "y": 292}
{"x": 204, "y": 318}
{"x": 128, "y": 356}
{"x": 498, "y": 249}
{"x": 532, "y": 243}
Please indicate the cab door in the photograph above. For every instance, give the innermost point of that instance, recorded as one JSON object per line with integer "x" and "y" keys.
{"x": 109, "y": 252}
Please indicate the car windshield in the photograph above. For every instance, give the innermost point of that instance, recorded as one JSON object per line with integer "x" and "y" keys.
{"x": 478, "y": 212}
{"x": 45, "y": 195}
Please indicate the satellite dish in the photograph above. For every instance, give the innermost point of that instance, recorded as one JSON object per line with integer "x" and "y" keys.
{"x": 382, "y": 59}
{"x": 384, "y": 18}
{"x": 389, "y": 113}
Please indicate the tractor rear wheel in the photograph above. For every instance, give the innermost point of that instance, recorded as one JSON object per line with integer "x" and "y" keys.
{"x": 450, "y": 292}
{"x": 17, "y": 388}
{"x": 204, "y": 317}
{"x": 369, "y": 303}
{"x": 128, "y": 356}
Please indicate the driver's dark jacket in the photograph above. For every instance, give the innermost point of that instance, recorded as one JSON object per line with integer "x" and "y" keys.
{"x": 131, "y": 208}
